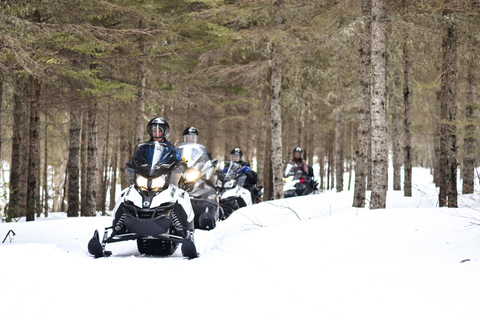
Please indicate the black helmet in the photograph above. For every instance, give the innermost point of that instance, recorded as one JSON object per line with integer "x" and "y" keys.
{"x": 190, "y": 133}
{"x": 160, "y": 123}
{"x": 236, "y": 151}
{"x": 297, "y": 149}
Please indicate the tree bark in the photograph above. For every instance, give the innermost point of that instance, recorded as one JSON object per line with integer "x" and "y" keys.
{"x": 84, "y": 162}
{"x": 338, "y": 135}
{"x": 363, "y": 135}
{"x": 379, "y": 112}
{"x": 407, "y": 148}
{"x": 73, "y": 165}
{"x": 469, "y": 136}
{"x": 17, "y": 203}
{"x": 140, "y": 126}
{"x": 276, "y": 109}
{"x": 45, "y": 169}
{"x": 448, "y": 163}
{"x": 92, "y": 162}
{"x": 33, "y": 151}
{"x": 395, "y": 110}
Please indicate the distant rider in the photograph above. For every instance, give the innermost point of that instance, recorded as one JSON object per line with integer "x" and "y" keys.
{"x": 299, "y": 163}
{"x": 251, "y": 181}
{"x": 190, "y": 135}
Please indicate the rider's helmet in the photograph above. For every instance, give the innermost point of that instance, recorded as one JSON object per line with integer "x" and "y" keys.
{"x": 159, "y": 123}
{"x": 190, "y": 134}
{"x": 298, "y": 149}
{"x": 236, "y": 155}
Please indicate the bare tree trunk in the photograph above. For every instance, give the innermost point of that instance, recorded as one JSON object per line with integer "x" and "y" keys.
{"x": 276, "y": 110}
{"x": 73, "y": 166}
{"x": 338, "y": 147}
{"x": 140, "y": 127}
{"x": 33, "y": 151}
{"x": 407, "y": 144}
{"x": 124, "y": 158}
{"x": 469, "y": 136}
{"x": 395, "y": 107}
{"x": 363, "y": 135}
{"x": 84, "y": 162}
{"x": 1, "y": 107}
{"x": 105, "y": 178}
{"x": 92, "y": 162}
{"x": 113, "y": 183}
{"x": 379, "y": 112}
{"x": 262, "y": 141}
{"x": 45, "y": 169}
{"x": 16, "y": 205}
{"x": 448, "y": 165}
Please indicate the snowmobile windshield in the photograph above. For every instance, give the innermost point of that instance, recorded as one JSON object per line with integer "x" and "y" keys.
{"x": 195, "y": 154}
{"x": 233, "y": 170}
{"x": 153, "y": 158}
{"x": 289, "y": 170}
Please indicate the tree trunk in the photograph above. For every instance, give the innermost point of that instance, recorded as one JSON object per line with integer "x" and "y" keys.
{"x": 469, "y": 136}
{"x": 84, "y": 161}
{"x": 45, "y": 169}
{"x": 379, "y": 112}
{"x": 363, "y": 135}
{"x": 113, "y": 183}
{"x": 448, "y": 163}
{"x": 395, "y": 109}
{"x": 338, "y": 136}
{"x": 124, "y": 157}
{"x": 73, "y": 165}
{"x": 92, "y": 162}
{"x": 33, "y": 151}
{"x": 276, "y": 110}
{"x": 407, "y": 143}
{"x": 140, "y": 126}
{"x": 1, "y": 107}
{"x": 105, "y": 165}
{"x": 16, "y": 205}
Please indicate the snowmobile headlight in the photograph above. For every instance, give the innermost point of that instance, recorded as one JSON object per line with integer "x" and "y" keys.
{"x": 230, "y": 184}
{"x": 142, "y": 182}
{"x": 192, "y": 175}
{"x": 158, "y": 182}
{"x": 288, "y": 179}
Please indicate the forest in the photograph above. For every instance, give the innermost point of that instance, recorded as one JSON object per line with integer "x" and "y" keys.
{"x": 357, "y": 84}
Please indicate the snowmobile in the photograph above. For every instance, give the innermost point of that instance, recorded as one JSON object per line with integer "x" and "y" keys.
{"x": 154, "y": 211}
{"x": 230, "y": 187}
{"x": 294, "y": 185}
{"x": 199, "y": 185}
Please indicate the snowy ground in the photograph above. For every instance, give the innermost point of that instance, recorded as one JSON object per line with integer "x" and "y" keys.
{"x": 311, "y": 257}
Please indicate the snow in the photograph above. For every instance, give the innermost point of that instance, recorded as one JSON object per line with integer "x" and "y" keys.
{"x": 313, "y": 257}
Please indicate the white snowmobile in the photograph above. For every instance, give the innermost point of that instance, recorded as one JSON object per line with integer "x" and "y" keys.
{"x": 230, "y": 187}
{"x": 199, "y": 185}
{"x": 154, "y": 211}
{"x": 294, "y": 185}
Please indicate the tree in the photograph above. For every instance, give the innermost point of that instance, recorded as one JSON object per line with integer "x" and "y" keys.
{"x": 407, "y": 94}
{"x": 448, "y": 109}
{"x": 379, "y": 107}
{"x": 364, "y": 105}
{"x": 33, "y": 150}
{"x": 73, "y": 166}
{"x": 276, "y": 109}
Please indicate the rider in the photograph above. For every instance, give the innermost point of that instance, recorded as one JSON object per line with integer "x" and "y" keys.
{"x": 190, "y": 135}
{"x": 299, "y": 163}
{"x": 251, "y": 181}
{"x": 158, "y": 131}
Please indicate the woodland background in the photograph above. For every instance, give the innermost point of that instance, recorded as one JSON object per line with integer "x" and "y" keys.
{"x": 79, "y": 80}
